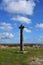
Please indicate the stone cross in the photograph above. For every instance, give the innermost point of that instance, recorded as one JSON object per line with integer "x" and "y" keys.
{"x": 21, "y": 37}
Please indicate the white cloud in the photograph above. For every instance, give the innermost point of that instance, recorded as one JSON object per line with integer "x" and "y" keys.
{"x": 4, "y": 23}
{"x": 39, "y": 25}
{"x": 35, "y": 40}
{"x": 41, "y": 37}
{"x": 27, "y": 30}
{"x": 6, "y": 26}
{"x": 6, "y": 35}
{"x": 22, "y": 19}
{"x": 19, "y": 6}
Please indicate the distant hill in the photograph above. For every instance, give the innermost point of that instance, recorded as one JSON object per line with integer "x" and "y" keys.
{"x": 25, "y": 44}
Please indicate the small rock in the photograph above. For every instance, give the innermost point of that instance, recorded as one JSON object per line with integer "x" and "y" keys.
{"x": 36, "y": 61}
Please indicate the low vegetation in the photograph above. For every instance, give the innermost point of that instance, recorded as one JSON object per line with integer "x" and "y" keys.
{"x": 9, "y": 56}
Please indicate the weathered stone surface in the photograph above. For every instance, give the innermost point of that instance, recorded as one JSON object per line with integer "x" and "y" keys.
{"x": 21, "y": 38}
{"x": 36, "y": 61}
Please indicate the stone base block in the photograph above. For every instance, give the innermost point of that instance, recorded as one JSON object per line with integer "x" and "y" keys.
{"x": 22, "y": 52}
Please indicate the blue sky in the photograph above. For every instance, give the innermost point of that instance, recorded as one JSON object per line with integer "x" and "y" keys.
{"x": 29, "y": 13}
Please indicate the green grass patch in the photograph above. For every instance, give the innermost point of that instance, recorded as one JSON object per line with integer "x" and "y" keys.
{"x": 8, "y": 56}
